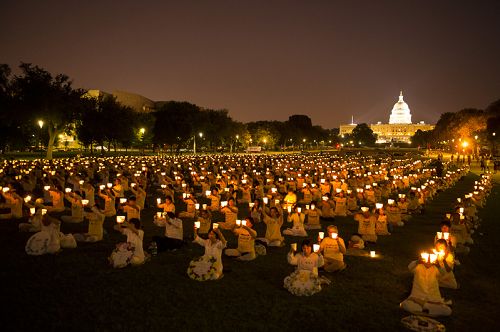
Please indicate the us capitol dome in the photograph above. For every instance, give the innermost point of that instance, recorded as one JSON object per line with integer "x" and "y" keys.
{"x": 400, "y": 129}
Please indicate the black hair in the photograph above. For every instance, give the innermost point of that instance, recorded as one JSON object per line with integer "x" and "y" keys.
{"x": 446, "y": 223}
{"x": 136, "y": 222}
{"x": 171, "y": 214}
{"x": 306, "y": 242}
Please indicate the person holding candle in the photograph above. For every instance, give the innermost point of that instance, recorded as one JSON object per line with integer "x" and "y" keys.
{"x": 313, "y": 217}
{"x": 352, "y": 203}
{"x": 246, "y": 242}
{"x": 109, "y": 202}
{"x": 256, "y": 211}
{"x": 173, "y": 238}
{"x": 333, "y": 249}
{"x": 205, "y": 220}
{"x": 425, "y": 297}
{"x": 273, "y": 221}
{"x": 340, "y": 205}
{"x": 168, "y": 206}
{"x": 95, "y": 230}
{"x": 214, "y": 246}
{"x": 327, "y": 206}
{"x": 76, "y": 208}
{"x": 230, "y": 212}
{"x": 290, "y": 198}
{"x": 131, "y": 208}
{"x": 393, "y": 215}
{"x": 297, "y": 218}
{"x": 129, "y": 252}
{"x": 446, "y": 262}
{"x": 57, "y": 198}
{"x": 34, "y": 223}
{"x": 214, "y": 198}
{"x": 14, "y": 202}
{"x": 140, "y": 195}
{"x": 47, "y": 240}
{"x": 88, "y": 192}
{"x": 366, "y": 225}
{"x": 381, "y": 223}
{"x": 304, "y": 281}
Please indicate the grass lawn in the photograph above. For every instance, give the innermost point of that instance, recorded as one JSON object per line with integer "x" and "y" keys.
{"x": 77, "y": 290}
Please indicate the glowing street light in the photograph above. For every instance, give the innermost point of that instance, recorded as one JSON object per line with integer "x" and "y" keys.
{"x": 465, "y": 144}
{"x": 142, "y": 130}
{"x": 40, "y": 123}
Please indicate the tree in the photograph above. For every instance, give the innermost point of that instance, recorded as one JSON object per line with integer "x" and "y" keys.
{"x": 40, "y": 96}
{"x": 421, "y": 138}
{"x": 363, "y": 135}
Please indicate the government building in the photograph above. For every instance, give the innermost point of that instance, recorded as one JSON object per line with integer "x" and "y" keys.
{"x": 400, "y": 129}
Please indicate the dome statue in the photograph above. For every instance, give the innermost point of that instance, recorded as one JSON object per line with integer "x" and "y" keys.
{"x": 400, "y": 112}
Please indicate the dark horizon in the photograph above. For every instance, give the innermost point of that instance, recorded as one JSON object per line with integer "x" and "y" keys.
{"x": 267, "y": 61}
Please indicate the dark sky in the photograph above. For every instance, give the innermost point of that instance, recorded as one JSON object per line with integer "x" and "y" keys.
{"x": 266, "y": 60}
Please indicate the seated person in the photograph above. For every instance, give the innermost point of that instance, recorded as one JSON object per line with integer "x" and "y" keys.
{"x": 297, "y": 218}
{"x": 246, "y": 242}
{"x": 173, "y": 238}
{"x": 333, "y": 250}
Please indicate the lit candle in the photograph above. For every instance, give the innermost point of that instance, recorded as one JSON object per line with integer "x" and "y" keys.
{"x": 120, "y": 219}
{"x": 299, "y": 210}
{"x": 448, "y": 215}
{"x": 204, "y": 206}
{"x": 44, "y": 212}
{"x": 446, "y": 235}
{"x": 197, "y": 224}
{"x": 307, "y": 206}
{"x": 379, "y": 205}
{"x": 372, "y": 253}
{"x": 216, "y": 225}
{"x": 316, "y": 247}
{"x": 334, "y": 235}
{"x": 365, "y": 209}
{"x": 197, "y": 206}
{"x": 238, "y": 222}
{"x": 294, "y": 246}
{"x": 432, "y": 258}
{"x": 251, "y": 205}
{"x": 100, "y": 187}
{"x": 243, "y": 223}
{"x": 321, "y": 235}
{"x": 32, "y": 211}
{"x": 277, "y": 202}
{"x": 223, "y": 203}
{"x": 425, "y": 257}
{"x": 80, "y": 182}
{"x": 439, "y": 235}
{"x": 207, "y": 193}
{"x": 158, "y": 214}
{"x": 265, "y": 200}
{"x": 158, "y": 200}
{"x": 85, "y": 202}
{"x": 109, "y": 185}
{"x": 123, "y": 200}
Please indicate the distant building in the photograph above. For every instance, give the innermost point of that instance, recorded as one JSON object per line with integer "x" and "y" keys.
{"x": 137, "y": 102}
{"x": 400, "y": 129}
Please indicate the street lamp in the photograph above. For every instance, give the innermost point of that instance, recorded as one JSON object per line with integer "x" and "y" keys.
{"x": 194, "y": 141}
{"x": 40, "y": 124}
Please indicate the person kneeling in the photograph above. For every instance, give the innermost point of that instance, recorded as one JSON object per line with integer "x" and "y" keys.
{"x": 246, "y": 242}
{"x": 333, "y": 249}
{"x": 131, "y": 251}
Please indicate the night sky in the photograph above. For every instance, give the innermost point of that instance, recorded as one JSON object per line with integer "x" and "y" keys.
{"x": 266, "y": 60}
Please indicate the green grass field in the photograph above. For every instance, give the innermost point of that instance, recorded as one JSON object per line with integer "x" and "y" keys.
{"x": 77, "y": 290}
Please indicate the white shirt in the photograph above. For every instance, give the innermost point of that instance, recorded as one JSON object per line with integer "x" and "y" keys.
{"x": 173, "y": 229}
{"x": 311, "y": 263}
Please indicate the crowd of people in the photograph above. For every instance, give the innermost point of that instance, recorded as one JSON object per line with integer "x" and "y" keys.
{"x": 225, "y": 196}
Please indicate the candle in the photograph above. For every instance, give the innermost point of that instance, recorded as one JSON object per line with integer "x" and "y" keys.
{"x": 439, "y": 235}
{"x": 277, "y": 202}
{"x": 372, "y": 253}
{"x": 461, "y": 210}
{"x": 273, "y": 190}
{"x": 133, "y": 185}
{"x": 307, "y": 206}
{"x": 80, "y": 182}
{"x": 85, "y": 201}
{"x": 299, "y": 210}
{"x": 5, "y": 189}
{"x": 243, "y": 223}
{"x": 223, "y": 203}
{"x": 158, "y": 214}
{"x": 316, "y": 247}
{"x": 432, "y": 258}
{"x": 216, "y": 225}
{"x": 109, "y": 185}
{"x": 27, "y": 198}
{"x": 265, "y": 200}
{"x": 251, "y": 205}
{"x": 197, "y": 224}
{"x": 102, "y": 187}
{"x": 120, "y": 219}
{"x": 390, "y": 201}
{"x": 446, "y": 235}
{"x": 294, "y": 246}
{"x": 321, "y": 235}
{"x": 425, "y": 257}
{"x": 158, "y": 200}
{"x": 238, "y": 222}
{"x": 448, "y": 215}
{"x": 197, "y": 206}
{"x": 365, "y": 209}
{"x": 325, "y": 198}
{"x": 46, "y": 187}
{"x": 334, "y": 235}
{"x": 123, "y": 200}
{"x": 379, "y": 205}
{"x": 32, "y": 211}
{"x": 204, "y": 206}
{"x": 207, "y": 193}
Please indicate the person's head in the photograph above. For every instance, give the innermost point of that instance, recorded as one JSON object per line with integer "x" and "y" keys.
{"x": 441, "y": 245}
{"x": 230, "y": 202}
{"x": 171, "y": 215}
{"x": 132, "y": 200}
{"x": 213, "y": 236}
{"x": 332, "y": 229}
{"x": 135, "y": 222}
{"x": 445, "y": 226}
{"x": 118, "y": 181}
{"x": 256, "y": 202}
{"x": 215, "y": 191}
{"x": 168, "y": 199}
{"x": 274, "y": 212}
{"x": 249, "y": 221}
{"x": 356, "y": 242}
{"x": 306, "y": 247}
{"x": 204, "y": 214}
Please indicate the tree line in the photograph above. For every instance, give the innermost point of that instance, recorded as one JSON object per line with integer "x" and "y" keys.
{"x": 36, "y": 106}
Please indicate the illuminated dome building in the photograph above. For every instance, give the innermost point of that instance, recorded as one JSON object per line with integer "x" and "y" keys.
{"x": 400, "y": 129}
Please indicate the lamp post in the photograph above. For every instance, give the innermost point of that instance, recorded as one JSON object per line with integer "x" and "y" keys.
{"x": 142, "y": 131}
{"x": 40, "y": 124}
{"x": 194, "y": 141}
